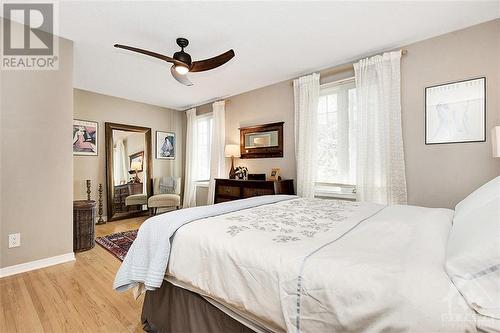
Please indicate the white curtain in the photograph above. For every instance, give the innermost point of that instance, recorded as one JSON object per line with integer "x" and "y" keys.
{"x": 380, "y": 175}
{"x": 189, "y": 182}
{"x": 120, "y": 163}
{"x": 217, "y": 158}
{"x": 306, "y": 96}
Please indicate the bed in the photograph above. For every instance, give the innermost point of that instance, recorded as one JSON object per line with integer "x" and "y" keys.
{"x": 290, "y": 264}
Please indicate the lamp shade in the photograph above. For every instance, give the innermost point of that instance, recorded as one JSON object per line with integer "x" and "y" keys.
{"x": 495, "y": 139}
{"x": 232, "y": 151}
{"x": 136, "y": 166}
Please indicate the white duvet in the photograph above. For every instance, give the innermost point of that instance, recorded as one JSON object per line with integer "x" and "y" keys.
{"x": 311, "y": 265}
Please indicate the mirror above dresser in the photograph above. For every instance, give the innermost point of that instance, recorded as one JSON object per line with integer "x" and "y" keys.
{"x": 262, "y": 141}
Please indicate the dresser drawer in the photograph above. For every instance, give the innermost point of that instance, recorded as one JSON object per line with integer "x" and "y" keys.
{"x": 232, "y": 191}
{"x": 122, "y": 191}
{"x": 255, "y": 192}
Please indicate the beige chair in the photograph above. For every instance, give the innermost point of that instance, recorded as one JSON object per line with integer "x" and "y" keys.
{"x": 166, "y": 193}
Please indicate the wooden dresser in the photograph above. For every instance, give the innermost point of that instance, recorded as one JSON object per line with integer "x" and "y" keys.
{"x": 234, "y": 189}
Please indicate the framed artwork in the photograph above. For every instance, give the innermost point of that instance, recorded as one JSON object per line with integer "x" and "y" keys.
{"x": 165, "y": 145}
{"x": 136, "y": 159}
{"x": 85, "y": 137}
{"x": 456, "y": 112}
{"x": 275, "y": 174}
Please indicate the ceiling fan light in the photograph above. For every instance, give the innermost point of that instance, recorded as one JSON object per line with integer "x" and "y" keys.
{"x": 181, "y": 69}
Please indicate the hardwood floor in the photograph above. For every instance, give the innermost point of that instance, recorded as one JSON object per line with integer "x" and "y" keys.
{"x": 72, "y": 297}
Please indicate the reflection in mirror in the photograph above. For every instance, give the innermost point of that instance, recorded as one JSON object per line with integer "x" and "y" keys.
{"x": 261, "y": 139}
{"x": 128, "y": 170}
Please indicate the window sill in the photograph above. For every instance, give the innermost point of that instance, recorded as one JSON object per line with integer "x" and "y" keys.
{"x": 335, "y": 191}
{"x": 335, "y": 195}
{"x": 202, "y": 183}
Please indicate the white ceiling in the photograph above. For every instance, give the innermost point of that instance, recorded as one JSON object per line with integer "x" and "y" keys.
{"x": 273, "y": 41}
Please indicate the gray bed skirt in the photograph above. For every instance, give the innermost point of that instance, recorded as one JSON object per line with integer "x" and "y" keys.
{"x": 171, "y": 309}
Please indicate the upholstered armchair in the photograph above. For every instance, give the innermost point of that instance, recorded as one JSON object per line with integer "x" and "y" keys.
{"x": 166, "y": 193}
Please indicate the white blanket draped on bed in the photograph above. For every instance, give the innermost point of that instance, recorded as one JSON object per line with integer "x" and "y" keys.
{"x": 310, "y": 265}
{"x": 147, "y": 259}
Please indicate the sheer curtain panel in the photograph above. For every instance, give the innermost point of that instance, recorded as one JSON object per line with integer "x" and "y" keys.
{"x": 380, "y": 166}
{"x": 190, "y": 181}
{"x": 120, "y": 166}
{"x": 217, "y": 157}
{"x": 306, "y": 96}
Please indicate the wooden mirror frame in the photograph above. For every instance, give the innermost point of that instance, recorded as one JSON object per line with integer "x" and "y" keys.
{"x": 109, "y": 127}
{"x": 263, "y": 152}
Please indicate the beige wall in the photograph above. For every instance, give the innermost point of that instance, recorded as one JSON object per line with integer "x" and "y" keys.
{"x": 36, "y": 162}
{"x": 269, "y": 104}
{"x": 442, "y": 175}
{"x": 103, "y": 108}
{"x": 266, "y": 105}
{"x": 437, "y": 175}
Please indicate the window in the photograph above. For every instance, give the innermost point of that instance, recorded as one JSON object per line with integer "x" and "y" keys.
{"x": 203, "y": 142}
{"x": 336, "y": 172}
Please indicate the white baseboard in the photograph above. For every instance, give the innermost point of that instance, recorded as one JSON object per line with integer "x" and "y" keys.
{"x": 37, "y": 264}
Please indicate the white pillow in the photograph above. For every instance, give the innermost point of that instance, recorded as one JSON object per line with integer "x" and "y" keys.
{"x": 473, "y": 253}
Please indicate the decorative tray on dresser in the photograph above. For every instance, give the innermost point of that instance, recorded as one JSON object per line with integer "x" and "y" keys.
{"x": 234, "y": 189}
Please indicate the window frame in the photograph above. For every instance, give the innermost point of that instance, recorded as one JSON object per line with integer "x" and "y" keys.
{"x": 334, "y": 190}
{"x": 204, "y": 182}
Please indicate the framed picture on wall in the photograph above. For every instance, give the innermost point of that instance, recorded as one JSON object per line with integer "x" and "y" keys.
{"x": 85, "y": 137}
{"x": 456, "y": 112}
{"x": 136, "y": 162}
{"x": 165, "y": 145}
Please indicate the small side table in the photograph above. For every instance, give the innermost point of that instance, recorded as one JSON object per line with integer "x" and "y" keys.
{"x": 83, "y": 225}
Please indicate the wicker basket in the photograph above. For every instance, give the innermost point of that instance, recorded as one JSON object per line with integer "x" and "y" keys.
{"x": 83, "y": 225}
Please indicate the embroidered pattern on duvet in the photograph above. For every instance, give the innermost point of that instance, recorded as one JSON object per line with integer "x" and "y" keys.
{"x": 292, "y": 220}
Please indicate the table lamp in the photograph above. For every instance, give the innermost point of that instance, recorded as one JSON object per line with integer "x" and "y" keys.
{"x": 495, "y": 139}
{"x": 136, "y": 165}
{"x": 232, "y": 151}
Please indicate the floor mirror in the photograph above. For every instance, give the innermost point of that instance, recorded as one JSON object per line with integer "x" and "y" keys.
{"x": 128, "y": 170}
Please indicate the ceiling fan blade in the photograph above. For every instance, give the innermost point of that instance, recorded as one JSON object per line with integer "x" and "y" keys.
{"x": 151, "y": 54}
{"x": 180, "y": 78}
{"x": 207, "y": 64}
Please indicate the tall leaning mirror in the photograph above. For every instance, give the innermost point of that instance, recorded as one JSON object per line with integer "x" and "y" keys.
{"x": 128, "y": 170}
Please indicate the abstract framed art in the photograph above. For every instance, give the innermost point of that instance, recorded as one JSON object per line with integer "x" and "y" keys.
{"x": 85, "y": 135}
{"x": 456, "y": 112}
{"x": 165, "y": 145}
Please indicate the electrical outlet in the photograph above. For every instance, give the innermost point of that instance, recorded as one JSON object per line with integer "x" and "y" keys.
{"x": 14, "y": 240}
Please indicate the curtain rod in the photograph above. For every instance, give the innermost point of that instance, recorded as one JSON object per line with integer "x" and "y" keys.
{"x": 349, "y": 66}
{"x": 334, "y": 70}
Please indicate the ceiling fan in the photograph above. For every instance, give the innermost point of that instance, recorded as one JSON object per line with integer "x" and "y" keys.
{"x": 181, "y": 60}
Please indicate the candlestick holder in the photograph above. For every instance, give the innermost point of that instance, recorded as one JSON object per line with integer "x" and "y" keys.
{"x": 88, "y": 189}
{"x": 100, "y": 209}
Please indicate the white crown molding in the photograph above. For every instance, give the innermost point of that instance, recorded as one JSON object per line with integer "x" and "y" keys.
{"x": 37, "y": 264}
